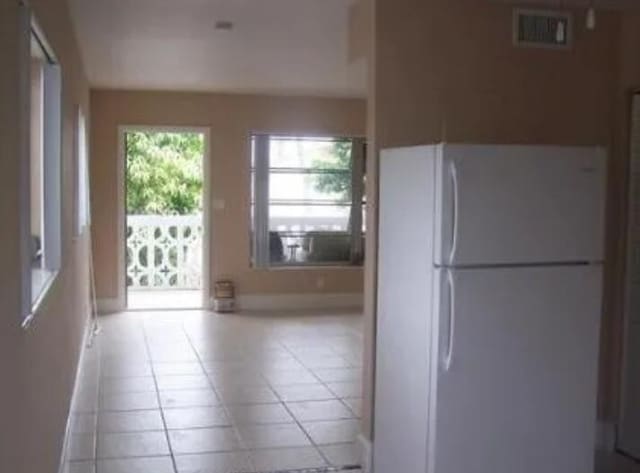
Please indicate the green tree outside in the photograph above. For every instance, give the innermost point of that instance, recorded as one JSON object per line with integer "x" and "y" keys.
{"x": 336, "y": 182}
{"x": 164, "y": 173}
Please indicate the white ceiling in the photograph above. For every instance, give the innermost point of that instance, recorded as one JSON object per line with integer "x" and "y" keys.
{"x": 276, "y": 46}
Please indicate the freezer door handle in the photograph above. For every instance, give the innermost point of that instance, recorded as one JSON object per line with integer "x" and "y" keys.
{"x": 453, "y": 173}
{"x": 448, "y": 353}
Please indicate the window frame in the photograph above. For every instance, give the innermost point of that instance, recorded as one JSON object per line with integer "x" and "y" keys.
{"x": 82, "y": 207}
{"x": 260, "y": 172}
{"x": 37, "y": 283}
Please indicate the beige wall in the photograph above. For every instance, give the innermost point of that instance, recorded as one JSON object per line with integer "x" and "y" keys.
{"x": 231, "y": 119}
{"x": 447, "y": 71}
{"x": 38, "y": 365}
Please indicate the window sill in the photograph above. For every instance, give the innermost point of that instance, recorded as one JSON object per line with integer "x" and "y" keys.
{"x": 41, "y": 282}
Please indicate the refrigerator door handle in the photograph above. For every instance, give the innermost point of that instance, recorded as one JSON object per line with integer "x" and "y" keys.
{"x": 448, "y": 357}
{"x": 453, "y": 173}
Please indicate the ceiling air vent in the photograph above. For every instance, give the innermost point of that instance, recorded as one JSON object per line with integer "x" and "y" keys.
{"x": 542, "y": 29}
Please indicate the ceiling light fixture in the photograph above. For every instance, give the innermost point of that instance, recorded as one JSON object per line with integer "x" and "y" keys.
{"x": 591, "y": 18}
{"x": 561, "y": 32}
{"x": 224, "y": 25}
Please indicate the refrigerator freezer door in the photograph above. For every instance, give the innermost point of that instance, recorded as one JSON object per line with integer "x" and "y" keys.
{"x": 518, "y": 392}
{"x": 519, "y": 204}
{"x": 405, "y": 282}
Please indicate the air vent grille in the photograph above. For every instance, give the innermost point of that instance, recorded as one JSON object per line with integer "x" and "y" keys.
{"x": 542, "y": 29}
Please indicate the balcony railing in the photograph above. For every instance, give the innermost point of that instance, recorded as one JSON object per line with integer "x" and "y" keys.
{"x": 164, "y": 252}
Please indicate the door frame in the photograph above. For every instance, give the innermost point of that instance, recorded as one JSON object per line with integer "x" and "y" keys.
{"x": 616, "y": 433}
{"x": 122, "y": 214}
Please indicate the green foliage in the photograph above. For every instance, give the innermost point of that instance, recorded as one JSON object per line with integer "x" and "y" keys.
{"x": 337, "y": 182}
{"x": 164, "y": 173}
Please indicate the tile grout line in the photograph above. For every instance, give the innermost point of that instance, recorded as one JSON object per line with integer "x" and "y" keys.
{"x": 326, "y": 385}
{"x": 286, "y": 407}
{"x": 223, "y": 405}
{"x": 321, "y": 381}
{"x": 157, "y": 392}
{"x": 98, "y": 403}
{"x": 281, "y": 402}
{"x": 318, "y": 449}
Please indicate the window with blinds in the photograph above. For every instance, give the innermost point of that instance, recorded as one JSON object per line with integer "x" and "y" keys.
{"x": 307, "y": 200}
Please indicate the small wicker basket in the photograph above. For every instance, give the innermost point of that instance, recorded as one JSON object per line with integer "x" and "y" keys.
{"x": 224, "y": 296}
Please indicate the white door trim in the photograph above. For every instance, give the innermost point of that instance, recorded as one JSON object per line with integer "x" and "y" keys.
{"x": 121, "y": 296}
{"x": 627, "y": 427}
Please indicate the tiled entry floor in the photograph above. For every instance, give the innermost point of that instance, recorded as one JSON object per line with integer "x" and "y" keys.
{"x": 161, "y": 300}
{"x": 187, "y": 392}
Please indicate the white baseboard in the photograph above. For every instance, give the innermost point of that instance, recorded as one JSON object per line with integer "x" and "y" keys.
{"x": 257, "y": 302}
{"x": 88, "y": 334}
{"x": 366, "y": 454}
{"x": 606, "y": 436}
{"x": 109, "y": 306}
{"x": 269, "y": 302}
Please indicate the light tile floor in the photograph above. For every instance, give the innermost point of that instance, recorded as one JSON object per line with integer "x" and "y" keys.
{"x": 192, "y": 391}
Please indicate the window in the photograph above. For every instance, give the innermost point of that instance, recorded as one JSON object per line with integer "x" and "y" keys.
{"x": 82, "y": 177}
{"x": 307, "y": 201}
{"x": 43, "y": 197}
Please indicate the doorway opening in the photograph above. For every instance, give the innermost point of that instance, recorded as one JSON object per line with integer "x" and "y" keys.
{"x": 166, "y": 252}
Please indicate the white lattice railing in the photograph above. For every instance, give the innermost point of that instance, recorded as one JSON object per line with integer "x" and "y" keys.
{"x": 164, "y": 251}
{"x": 308, "y": 224}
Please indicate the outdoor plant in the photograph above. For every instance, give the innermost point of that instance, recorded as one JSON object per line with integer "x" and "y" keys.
{"x": 164, "y": 173}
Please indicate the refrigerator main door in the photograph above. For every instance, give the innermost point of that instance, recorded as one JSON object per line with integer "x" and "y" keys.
{"x": 403, "y": 331}
{"x": 519, "y": 204}
{"x": 514, "y": 374}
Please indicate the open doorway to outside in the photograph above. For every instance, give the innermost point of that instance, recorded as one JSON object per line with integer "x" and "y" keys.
{"x": 166, "y": 252}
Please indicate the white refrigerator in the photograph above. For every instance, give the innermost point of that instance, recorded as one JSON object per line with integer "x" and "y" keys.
{"x": 489, "y": 302}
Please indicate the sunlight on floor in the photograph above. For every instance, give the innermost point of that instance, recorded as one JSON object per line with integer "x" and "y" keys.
{"x": 176, "y": 299}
